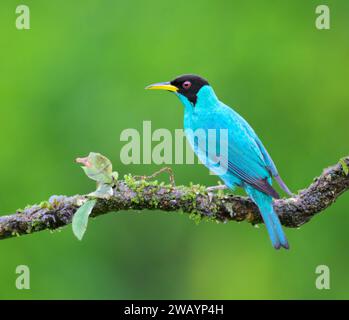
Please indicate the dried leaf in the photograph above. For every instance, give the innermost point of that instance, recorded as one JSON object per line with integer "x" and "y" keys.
{"x": 97, "y": 167}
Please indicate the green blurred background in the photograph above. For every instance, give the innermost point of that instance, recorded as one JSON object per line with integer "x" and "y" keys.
{"x": 75, "y": 80}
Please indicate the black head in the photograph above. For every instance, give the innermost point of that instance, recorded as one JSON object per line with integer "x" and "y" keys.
{"x": 189, "y": 85}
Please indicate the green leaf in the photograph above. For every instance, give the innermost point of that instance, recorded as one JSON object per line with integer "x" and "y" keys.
{"x": 97, "y": 167}
{"x": 80, "y": 218}
{"x": 344, "y": 166}
{"x": 104, "y": 191}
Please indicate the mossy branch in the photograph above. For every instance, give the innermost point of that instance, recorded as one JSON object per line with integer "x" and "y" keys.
{"x": 133, "y": 194}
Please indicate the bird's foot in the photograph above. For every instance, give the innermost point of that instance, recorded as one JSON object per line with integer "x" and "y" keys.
{"x": 211, "y": 190}
{"x": 216, "y": 188}
{"x": 155, "y": 174}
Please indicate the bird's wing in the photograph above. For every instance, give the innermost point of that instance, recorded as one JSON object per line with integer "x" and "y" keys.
{"x": 267, "y": 158}
{"x": 270, "y": 165}
{"x": 245, "y": 159}
{"x": 260, "y": 184}
{"x": 247, "y": 163}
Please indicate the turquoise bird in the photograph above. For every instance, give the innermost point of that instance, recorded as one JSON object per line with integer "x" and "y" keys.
{"x": 245, "y": 162}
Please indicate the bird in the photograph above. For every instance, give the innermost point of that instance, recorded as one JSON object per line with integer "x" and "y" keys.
{"x": 248, "y": 163}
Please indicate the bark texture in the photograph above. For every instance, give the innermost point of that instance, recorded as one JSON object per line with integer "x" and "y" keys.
{"x": 133, "y": 194}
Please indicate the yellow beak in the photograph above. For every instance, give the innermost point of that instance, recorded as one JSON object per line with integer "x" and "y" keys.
{"x": 162, "y": 86}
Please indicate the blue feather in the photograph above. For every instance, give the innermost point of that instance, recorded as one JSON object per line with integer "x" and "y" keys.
{"x": 248, "y": 164}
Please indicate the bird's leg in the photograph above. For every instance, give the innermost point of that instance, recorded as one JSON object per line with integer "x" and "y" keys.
{"x": 155, "y": 174}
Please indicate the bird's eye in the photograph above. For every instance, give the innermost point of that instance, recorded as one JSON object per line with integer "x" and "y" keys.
{"x": 186, "y": 85}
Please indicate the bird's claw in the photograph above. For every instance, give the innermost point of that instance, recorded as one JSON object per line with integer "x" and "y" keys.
{"x": 210, "y": 196}
{"x": 216, "y": 188}
{"x": 210, "y": 191}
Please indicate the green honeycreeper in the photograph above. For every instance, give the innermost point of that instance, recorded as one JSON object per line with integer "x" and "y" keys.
{"x": 246, "y": 164}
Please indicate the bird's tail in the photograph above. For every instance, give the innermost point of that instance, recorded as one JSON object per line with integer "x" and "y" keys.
{"x": 270, "y": 218}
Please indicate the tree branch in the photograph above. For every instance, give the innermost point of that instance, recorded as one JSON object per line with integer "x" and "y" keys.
{"x": 132, "y": 194}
